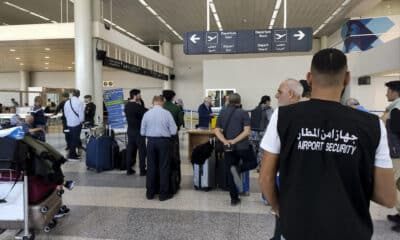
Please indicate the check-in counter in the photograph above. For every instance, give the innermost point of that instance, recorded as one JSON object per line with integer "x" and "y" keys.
{"x": 197, "y": 137}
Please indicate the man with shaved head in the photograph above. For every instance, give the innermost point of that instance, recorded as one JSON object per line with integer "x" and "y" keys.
{"x": 332, "y": 159}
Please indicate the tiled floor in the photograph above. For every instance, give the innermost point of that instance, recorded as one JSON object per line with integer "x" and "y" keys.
{"x": 111, "y": 205}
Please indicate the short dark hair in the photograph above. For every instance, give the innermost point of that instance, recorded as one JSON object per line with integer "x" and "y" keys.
{"x": 88, "y": 96}
{"x": 134, "y": 92}
{"x": 306, "y": 88}
{"x": 234, "y": 98}
{"x": 168, "y": 95}
{"x": 76, "y": 93}
{"x": 265, "y": 99}
{"x": 65, "y": 95}
{"x": 394, "y": 85}
{"x": 329, "y": 62}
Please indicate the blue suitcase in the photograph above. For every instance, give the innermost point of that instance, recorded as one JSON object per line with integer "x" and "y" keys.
{"x": 99, "y": 153}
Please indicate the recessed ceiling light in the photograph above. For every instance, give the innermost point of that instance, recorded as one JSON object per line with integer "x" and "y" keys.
{"x": 12, "y": 50}
{"x": 69, "y": 67}
{"x": 47, "y": 49}
{"x": 47, "y": 57}
{"x": 21, "y": 64}
{"x": 46, "y": 63}
{"x": 18, "y": 58}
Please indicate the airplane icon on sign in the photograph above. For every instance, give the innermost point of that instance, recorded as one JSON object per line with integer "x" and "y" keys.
{"x": 279, "y": 36}
{"x": 210, "y": 38}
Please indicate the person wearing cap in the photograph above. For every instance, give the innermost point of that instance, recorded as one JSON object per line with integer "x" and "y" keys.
{"x": 392, "y": 119}
{"x": 327, "y": 160}
{"x": 90, "y": 111}
{"x": 60, "y": 108}
{"x": 354, "y": 103}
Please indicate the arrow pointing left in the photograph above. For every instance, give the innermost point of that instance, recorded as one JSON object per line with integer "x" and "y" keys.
{"x": 299, "y": 35}
{"x": 194, "y": 38}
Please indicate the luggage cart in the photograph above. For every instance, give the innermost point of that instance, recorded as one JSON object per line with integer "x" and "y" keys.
{"x": 25, "y": 233}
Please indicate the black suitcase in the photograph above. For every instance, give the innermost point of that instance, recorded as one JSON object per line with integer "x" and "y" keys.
{"x": 221, "y": 172}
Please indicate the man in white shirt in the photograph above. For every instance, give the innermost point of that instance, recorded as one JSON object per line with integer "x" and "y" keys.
{"x": 75, "y": 115}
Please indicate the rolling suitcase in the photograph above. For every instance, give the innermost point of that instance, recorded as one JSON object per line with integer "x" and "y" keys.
{"x": 204, "y": 175}
{"x": 39, "y": 189}
{"x": 221, "y": 172}
{"x": 41, "y": 215}
{"x": 99, "y": 153}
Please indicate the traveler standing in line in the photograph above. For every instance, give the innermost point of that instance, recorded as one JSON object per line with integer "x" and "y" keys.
{"x": 90, "y": 111}
{"x": 327, "y": 155}
{"x": 158, "y": 126}
{"x": 205, "y": 114}
{"x": 60, "y": 108}
{"x": 392, "y": 119}
{"x": 233, "y": 129}
{"x": 39, "y": 118}
{"x": 177, "y": 115}
{"x": 134, "y": 111}
{"x": 259, "y": 120}
{"x": 179, "y": 103}
{"x": 289, "y": 92}
{"x": 74, "y": 112}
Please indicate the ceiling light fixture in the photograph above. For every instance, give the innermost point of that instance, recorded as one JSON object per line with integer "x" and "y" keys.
{"x": 278, "y": 4}
{"x": 152, "y": 11}
{"x": 69, "y": 67}
{"x": 28, "y": 11}
{"x": 17, "y": 58}
{"x": 47, "y": 57}
{"x": 46, "y": 67}
{"x": 12, "y": 50}
{"x": 47, "y": 49}
{"x": 329, "y": 19}
{"x": 123, "y": 30}
{"x": 46, "y": 63}
{"x": 215, "y": 14}
{"x": 21, "y": 64}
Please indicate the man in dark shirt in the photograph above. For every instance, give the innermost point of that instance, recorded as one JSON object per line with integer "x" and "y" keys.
{"x": 332, "y": 159}
{"x": 90, "y": 111}
{"x": 233, "y": 129}
{"x": 134, "y": 111}
{"x": 205, "y": 114}
{"x": 60, "y": 108}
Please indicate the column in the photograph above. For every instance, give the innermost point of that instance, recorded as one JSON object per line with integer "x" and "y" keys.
{"x": 166, "y": 50}
{"x": 324, "y": 42}
{"x": 24, "y": 84}
{"x": 97, "y": 68}
{"x": 83, "y": 47}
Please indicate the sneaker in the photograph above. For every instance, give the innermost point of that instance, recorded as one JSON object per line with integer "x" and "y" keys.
{"x": 236, "y": 178}
{"x": 264, "y": 200}
{"x": 235, "y": 202}
{"x": 65, "y": 209}
{"x": 59, "y": 214}
{"x": 394, "y": 218}
{"x": 69, "y": 184}
{"x": 74, "y": 159}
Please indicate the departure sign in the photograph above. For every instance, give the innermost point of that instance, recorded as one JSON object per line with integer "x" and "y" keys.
{"x": 248, "y": 41}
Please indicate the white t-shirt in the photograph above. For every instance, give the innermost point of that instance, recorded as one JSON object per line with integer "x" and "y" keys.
{"x": 271, "y": 142}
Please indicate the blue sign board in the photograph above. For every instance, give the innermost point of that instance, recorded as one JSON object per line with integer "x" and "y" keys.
{"x": 248, "y": 41}
{"x": 114, "y": 101}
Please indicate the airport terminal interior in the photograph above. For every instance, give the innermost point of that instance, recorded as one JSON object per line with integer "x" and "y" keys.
{"x": 200, "y": 51}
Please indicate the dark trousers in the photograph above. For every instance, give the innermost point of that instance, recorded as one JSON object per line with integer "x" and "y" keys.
{"x": 233, "y": 158}
{"x": 74, "y": 140}
{"x": 158, "y": 163}
{"x": 135, "y": 143}
{"x": 175, "y": 155}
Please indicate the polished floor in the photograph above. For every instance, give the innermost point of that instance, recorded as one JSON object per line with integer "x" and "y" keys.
{"x": 111, "y": 205}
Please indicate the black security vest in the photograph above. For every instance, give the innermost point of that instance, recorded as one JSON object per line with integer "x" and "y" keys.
{"x": 326, "y": 171}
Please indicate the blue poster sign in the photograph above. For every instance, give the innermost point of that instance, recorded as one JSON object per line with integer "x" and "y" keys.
{"x": 114, "y": 101}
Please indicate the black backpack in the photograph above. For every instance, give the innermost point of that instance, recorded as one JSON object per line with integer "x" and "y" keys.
{"x": 259, "y": 118}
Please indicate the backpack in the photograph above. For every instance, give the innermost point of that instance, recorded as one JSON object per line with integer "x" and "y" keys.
{"x": 260, "y": 118}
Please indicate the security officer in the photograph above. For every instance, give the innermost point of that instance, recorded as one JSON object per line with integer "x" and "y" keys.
{"x": 158, "y": 126}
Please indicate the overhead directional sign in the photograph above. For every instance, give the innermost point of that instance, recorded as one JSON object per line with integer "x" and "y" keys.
{"x": 248, "y": 41}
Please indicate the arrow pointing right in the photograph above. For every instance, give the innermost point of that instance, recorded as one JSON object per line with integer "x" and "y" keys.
{"x": 194, "y": 38}
{"x": 299, "y": 35}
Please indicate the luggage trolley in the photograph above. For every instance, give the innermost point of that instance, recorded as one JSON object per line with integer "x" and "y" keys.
{"x": 13, "y": 178}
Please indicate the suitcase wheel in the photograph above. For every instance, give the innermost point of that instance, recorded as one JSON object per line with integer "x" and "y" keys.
{"x": 63, "y": 207}
{"x": 44, "y": 209}
{"x": 53, "y": 223}
{"x": 47, "y": 229}
{"x": 60, "y": 193}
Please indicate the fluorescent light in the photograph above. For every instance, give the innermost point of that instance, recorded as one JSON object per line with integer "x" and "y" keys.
{"x": 39, "y": 16}
{"x": 16, "y": 6}
{"x": 392, "y": 75}
{"x": 12, "y": 50}
{"x": 120, "y": 28}
{"x": 152, "y": 11}
{"x": 216, "y": 18}
{"x": 54, "y": 21}
{"x": 272, "y": 22}
{"x": 212, "y": 6}
{"x": 17, "y": 58}
{"x": 21, "y": 64}
{"x": 47, "y": 49}
{"x": 161, "y": 20}
{"x": 143, "y": 3}
{"x": 47, "y": 57}
{"x": 46, "y": 63}
{"x": 275, "y": 13}
{"x": 69, "y": 67}
{"x": 215, "y": 14}
{"x": 278, "y": 4}
{"x": 337, "y": 11}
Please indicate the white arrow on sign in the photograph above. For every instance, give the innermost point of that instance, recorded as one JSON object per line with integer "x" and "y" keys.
{"x": 194, "y": 38}
{"x": 299, "y": 35}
